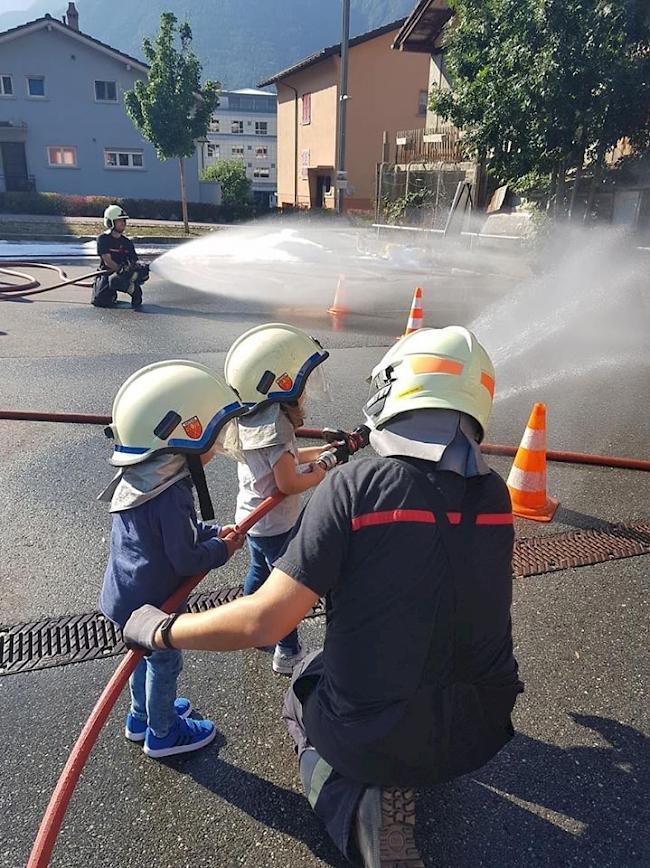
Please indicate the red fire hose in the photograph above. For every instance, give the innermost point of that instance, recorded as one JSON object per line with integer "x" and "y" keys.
{"x": 58, "y": 804}
{"x": 31, "y": 286}
{"x": 317, "y": 434}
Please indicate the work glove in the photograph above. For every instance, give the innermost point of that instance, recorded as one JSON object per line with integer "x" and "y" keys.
{"x": 143, "y": 271}
{"x": 339, "y": 440}
{"x": 140, "y": 629}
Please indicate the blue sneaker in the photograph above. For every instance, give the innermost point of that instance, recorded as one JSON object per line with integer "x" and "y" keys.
{"x": 134, "y": 728}
{"x": 185, "y": 736}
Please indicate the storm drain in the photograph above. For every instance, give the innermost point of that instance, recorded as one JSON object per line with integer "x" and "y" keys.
{"x": 73, "y": 639}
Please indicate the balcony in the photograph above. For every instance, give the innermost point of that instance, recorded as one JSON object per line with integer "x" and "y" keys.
{"x": 439, "y": 144}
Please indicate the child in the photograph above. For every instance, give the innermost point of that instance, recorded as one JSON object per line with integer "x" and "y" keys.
{"x": 269, "y": 367}
{"x": 168, "y": 420}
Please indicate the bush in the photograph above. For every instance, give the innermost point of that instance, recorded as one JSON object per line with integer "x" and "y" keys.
{"x": 235, "y": 185}
{"x": 143, "y": 209}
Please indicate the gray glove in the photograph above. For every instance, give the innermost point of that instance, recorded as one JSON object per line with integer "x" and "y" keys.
{"x": 140, "y": 629}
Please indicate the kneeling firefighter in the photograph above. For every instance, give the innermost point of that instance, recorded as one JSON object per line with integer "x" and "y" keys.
{"x": 412, "y": 549}
{"x": 121, "y": 271}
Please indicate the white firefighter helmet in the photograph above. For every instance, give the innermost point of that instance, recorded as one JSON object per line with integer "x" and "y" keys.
{"x": 272, "y": 363}
{"x": 113, "y": 213}
{"x": 171, "y": 406}
{"x": 432, "y": 368}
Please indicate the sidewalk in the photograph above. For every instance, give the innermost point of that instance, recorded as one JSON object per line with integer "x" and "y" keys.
{"x": 56, "y": 227}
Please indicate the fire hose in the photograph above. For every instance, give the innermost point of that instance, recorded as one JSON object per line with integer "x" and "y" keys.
{"x": 30, "y": 285}
{"x": 622, "y": 462}
{"x": 56, "y": 809}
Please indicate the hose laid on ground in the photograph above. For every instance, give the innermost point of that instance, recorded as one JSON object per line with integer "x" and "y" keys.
{"x": 30, "y": 285}
{"x": 55, "y": 812}
{"x": 317, "y": 434}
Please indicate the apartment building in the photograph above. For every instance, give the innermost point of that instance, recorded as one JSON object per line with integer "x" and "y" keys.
{"x": 244, "y": 127}
{"x": 63, "y": 124}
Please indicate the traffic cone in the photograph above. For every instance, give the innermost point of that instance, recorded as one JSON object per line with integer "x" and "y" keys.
{"x": 416, "y": 313}
{"x": 527, "y": 477}
{"x": 338, "y": 307}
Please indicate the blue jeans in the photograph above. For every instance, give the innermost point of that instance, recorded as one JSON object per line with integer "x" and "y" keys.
{"x": 153, "y": 690}
{"x": 263, "y": 551}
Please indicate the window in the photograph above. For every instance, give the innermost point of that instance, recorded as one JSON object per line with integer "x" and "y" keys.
{"x": 213, "y": 150}
{"x": 114, "y": 159}
{"x": 213, "y": 126}
{"x": 236, "y": 127}
{"x": 106, "y": 91}
{"x": 261, "y": 172}
{"x": 237, "y": 151}
{"x": 36, "y": 85}
{"x": 306, "y": 108}
{"x": 261, "y": 128}
{"x": 6, "y": 85}
{"x": 423, "y": 99}
{"x": 261, "y": 152}
{"x": 62, "y": 157}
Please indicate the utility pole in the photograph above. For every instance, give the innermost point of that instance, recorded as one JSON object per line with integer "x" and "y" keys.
{"x": 341, "y": 174}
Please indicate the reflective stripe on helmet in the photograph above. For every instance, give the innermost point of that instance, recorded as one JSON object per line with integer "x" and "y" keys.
{"x": 434, "y": 365}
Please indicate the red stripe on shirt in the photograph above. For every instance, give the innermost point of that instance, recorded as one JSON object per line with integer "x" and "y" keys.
{"x": 423, "y": 516}
{"x": 420, "y": 516}
{"x": 494, "y": 518}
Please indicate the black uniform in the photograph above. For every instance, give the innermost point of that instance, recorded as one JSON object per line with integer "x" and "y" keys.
{"x": 128, "y": 279}
{"x": 417, "y": 678}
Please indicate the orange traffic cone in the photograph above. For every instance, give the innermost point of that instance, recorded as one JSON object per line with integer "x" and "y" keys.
{"x": 416, "y": 313}
{"x": 527, "y": 477}
{"x": 338, "y": 307}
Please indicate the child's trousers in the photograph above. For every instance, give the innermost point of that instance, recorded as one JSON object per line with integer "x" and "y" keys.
{"x": 263, "y": 551}
{"x": 153, "y": 690}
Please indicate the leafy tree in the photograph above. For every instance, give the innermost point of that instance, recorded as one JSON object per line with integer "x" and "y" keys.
{"x": 171, "y": 109}
{"x": 542, "y": 87}
{"x": 235, "y": 185}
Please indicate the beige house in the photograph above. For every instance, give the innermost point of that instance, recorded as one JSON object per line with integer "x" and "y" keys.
{"x": 387, "y": 92}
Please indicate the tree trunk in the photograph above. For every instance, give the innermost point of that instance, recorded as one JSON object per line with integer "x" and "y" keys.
{"x": 552, "y": 192}
{"x": 595, "y": 182}
{"x": 184, "y": 197}
{"x": 560, "y": 196}
{"x": 576, "y": 182}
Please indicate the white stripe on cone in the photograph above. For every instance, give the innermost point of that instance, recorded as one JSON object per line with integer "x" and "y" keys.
{"x": 534, "y": 439}
{"x": 526, "y": 480}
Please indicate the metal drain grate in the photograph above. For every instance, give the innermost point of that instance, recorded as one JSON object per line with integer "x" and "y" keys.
{"x": 73, "y": 639}
{"x": 546, "y": 554}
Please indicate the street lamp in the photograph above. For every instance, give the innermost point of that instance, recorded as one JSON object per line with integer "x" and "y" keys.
{"x": 341, "y": 174}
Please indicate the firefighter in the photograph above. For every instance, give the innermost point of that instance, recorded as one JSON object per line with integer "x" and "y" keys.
{"x": 121, "y": 271}
{"x": 413, "y": 551}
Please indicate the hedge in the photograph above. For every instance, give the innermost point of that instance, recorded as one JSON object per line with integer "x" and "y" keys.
{"x": 94, "y": 206}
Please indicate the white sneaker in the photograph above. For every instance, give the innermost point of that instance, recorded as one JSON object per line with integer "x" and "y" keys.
{"x": 284, "y": 661}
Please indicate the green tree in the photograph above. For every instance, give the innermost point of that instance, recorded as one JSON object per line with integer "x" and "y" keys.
{"x": 235, "y": 185}
{"x": 172, "y": 109}
{"x": 544, "y": 87}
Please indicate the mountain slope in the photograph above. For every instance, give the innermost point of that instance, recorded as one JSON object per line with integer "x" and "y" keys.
{"x": 239, "y": 42}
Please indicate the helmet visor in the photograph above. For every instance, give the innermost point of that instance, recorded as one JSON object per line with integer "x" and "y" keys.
{"x": 228, "y": 442}
{"x": 317, "y": 386}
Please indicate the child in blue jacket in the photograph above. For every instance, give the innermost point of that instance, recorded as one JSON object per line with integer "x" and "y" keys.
{"x": 168, "y": 420}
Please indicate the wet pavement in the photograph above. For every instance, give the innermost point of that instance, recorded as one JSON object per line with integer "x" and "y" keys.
{"x": 571, "y": 789}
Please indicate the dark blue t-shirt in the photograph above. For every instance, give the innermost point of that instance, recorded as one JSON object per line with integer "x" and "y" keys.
{"x": 368, "y": 541}
{"x": 154, "y": 547}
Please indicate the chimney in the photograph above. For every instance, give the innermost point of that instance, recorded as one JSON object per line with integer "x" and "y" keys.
{"x": 72, "y": 17}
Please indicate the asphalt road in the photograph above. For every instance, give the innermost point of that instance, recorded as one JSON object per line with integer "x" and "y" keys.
{"x": 571, "y": 789}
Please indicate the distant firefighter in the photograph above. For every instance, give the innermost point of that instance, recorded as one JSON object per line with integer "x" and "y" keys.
{"x": 121, "y": 271}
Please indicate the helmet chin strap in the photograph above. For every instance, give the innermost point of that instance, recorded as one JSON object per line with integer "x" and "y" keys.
{"x": 198, "y": 478}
